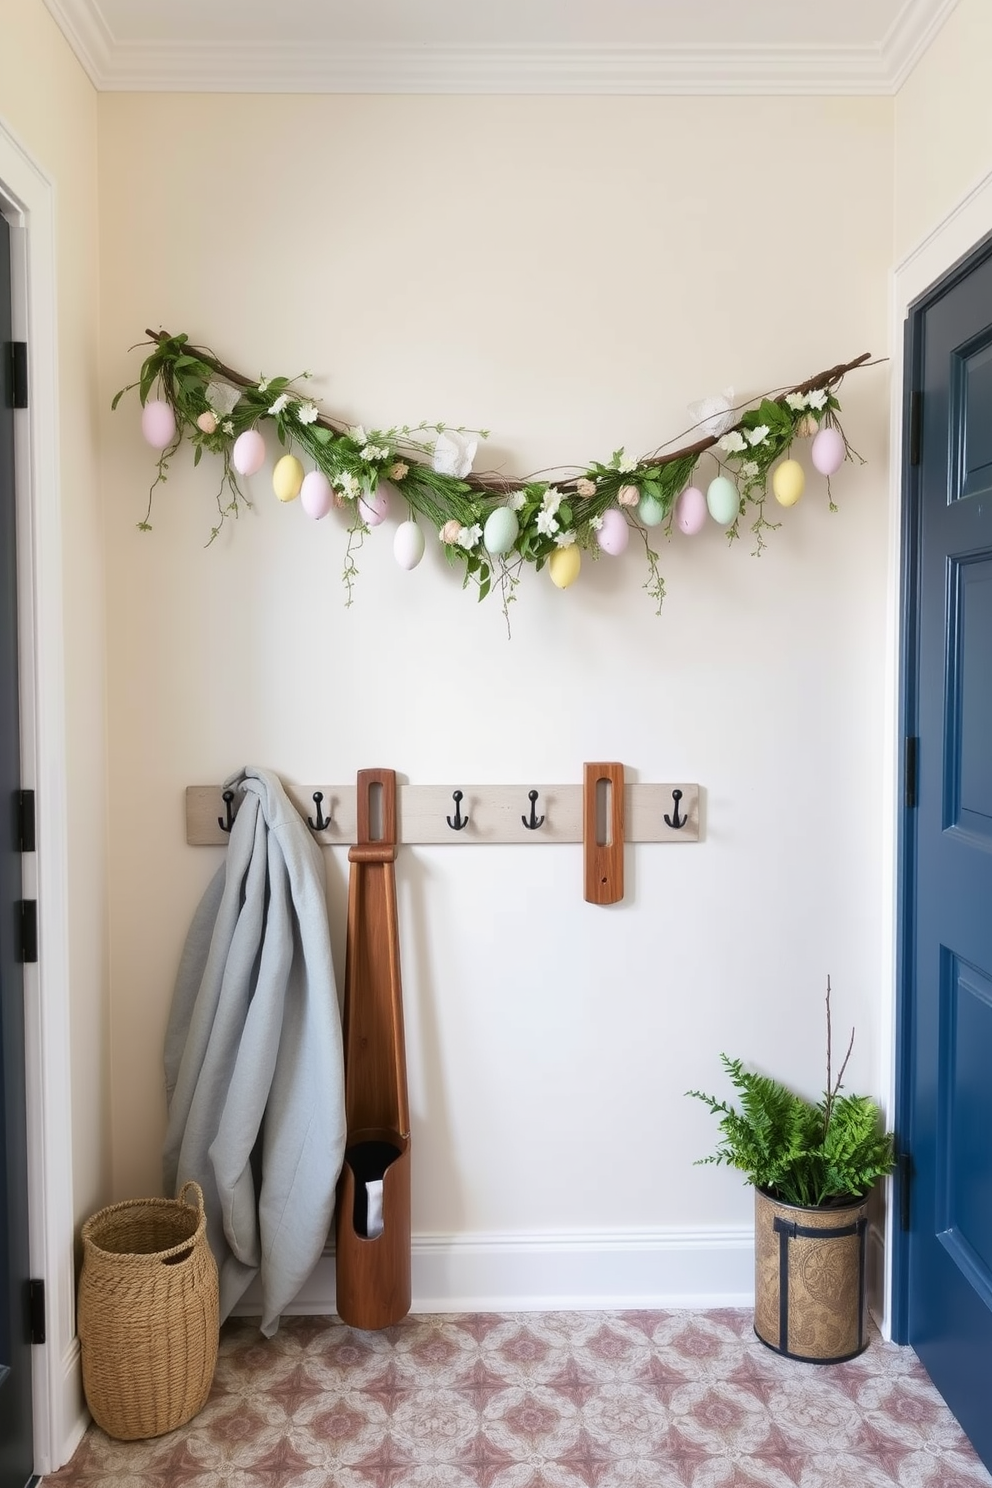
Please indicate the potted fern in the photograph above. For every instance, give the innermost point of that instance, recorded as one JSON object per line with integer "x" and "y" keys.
{"x": 812, "y": 1165}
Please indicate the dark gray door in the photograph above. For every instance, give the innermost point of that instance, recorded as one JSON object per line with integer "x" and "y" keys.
{"x": 946, "y": 1105}
{"x": 16, "y": 1450}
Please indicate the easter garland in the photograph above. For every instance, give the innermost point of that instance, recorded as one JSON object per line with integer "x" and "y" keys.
{"x": 490, "y": 525}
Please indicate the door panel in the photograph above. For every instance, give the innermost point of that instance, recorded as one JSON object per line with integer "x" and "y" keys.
{"x": 946, "y": 1115}
{"x": 16, "y": 1452}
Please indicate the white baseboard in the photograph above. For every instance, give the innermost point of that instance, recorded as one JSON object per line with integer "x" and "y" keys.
{"x": 586, "y": 1270}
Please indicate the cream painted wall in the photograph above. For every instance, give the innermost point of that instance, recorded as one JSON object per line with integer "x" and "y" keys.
{"x": 943, "y": 124}
{"x": 568, "y": 272}
{"x": 36, "y": 68}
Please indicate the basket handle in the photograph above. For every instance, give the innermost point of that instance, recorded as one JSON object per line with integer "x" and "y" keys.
{"x": 196, "y": 1202}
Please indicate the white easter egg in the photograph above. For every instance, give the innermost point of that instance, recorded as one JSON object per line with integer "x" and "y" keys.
{"x": 408, "y": 544}
{"x": 248, "y": 454}
{"x": 723, "y": 500}
{"x": 614, "y": 535}
{"x": 316, "y": 496}
{"x": 827, "y": 450}
{"x": 690, "y": 511}
{"x": 158, "y": 423}
{"x": 373, "y": 507}
{"x": 500, "y": 531}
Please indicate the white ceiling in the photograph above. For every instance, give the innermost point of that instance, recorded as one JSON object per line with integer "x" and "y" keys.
{"x": 501, "y": 46}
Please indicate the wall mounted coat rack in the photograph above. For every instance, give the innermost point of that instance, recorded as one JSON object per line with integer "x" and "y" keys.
{"x": 603, "y": 813}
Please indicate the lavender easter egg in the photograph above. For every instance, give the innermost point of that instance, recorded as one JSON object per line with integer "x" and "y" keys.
{"x": 722, "y": 500}
{"x": 408, "y": 544}
{"x": 691, "y": 511}
{"x": 158, "y": 423}
{"x": 316, "y": 496}
{"x": 614, "y": 534}
{"x": 373, "y": 507}
{"x": 827, "y": 450}
{"x": 248, "y": 454}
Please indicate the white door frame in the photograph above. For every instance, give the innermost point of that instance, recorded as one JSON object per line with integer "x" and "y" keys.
{"x": 27, "y": 200}
{"x": 968, "y": 221}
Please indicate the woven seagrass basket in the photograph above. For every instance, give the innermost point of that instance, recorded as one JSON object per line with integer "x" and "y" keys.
{"x": 148, "y": 1314}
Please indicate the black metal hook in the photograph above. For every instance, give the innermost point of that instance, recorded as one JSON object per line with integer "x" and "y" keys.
{"x": 320, "y": 824}
{"x": 459, "y": 821}
{"x": 226, "y": 826}
{"x": 675, "y": 821}
{"x": 535, "y": 820}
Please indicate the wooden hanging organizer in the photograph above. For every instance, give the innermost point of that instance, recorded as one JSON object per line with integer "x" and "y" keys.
{"x": 372, "y": 1223}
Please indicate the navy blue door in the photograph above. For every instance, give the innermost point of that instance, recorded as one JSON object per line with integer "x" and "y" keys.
{"x": 946, "y": 1116}
{"x": 16, "y": 1452}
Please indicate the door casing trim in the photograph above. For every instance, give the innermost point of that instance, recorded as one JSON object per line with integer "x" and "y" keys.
{"x": 930, "y": 265}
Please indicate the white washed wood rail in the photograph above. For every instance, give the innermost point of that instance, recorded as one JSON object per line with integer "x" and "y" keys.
{"x": 494, "y": 813}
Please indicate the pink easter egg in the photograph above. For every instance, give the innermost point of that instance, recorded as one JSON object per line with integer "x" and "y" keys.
{"x": 158, "y": 423}
{"x": 827, "y": 450}
{"x": 316, "y": 496}
{"x": 373, "y": 507}
{"x": 248, "y": 454}
{"x": 614, "y": 534}
{"x": 691, "y": 511}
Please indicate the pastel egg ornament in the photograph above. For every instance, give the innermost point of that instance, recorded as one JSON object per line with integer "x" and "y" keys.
{"x": 501, "y": 531}
{"x": 248, "y": 454}
{"x": 722, "y": 500}
{"x": 564, "y": 565}
{"x": 373, "y": 507}
{"x": 828, "y": 450}
{"x": 408, "y": 544}
{"x": 650, "y": 511}
{"x": 788, "y": 482}
{"x": 287, "y": 478}
{"x": 691, "y": 511}
{"x": 158, "y": 423}
{"x": 316, "y": 496}
{"x": 614, "y": 534}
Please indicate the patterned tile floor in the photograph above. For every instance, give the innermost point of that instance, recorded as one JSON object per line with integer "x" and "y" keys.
{"x": 544, "y": 1400}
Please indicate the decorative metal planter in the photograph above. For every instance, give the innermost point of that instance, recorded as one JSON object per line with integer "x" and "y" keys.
{"x": 810, "y": 1292}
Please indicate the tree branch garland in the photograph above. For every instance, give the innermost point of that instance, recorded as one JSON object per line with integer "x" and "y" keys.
{"x": 212, "y": 405}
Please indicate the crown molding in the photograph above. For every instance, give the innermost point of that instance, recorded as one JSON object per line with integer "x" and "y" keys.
{"x": 453, "y": 68}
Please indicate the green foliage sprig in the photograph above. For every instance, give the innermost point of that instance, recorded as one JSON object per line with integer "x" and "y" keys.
{"x": 213, "y": 405}
{"x": 801, "y": 1152}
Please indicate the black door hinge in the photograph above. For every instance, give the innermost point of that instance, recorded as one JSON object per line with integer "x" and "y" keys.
{"x": 18, "y": 378}
{"x": 904, "y": 1167}
{"x": 912, "y": 749}
{"x": 28, "y": 929}
{"x": 915, "y": 427}
{"x": 24, "y": 812}
{"x": 36, "y": 1311}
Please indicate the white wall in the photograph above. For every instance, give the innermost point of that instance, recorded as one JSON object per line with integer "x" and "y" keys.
{"x": 569, "y": 273}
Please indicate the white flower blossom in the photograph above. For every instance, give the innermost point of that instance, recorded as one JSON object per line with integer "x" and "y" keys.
{"x": 222, "y": 398}
{"x": 596, "y": 523}
{"x": 306, "y": 413}
{"x": 374, "y": 452}
{"x": 263, "y": 385}
{"x": 758, "y": 435}
{"x": 227, "y": 427}
{"x": 748, "y": 470}
{"x": 565, "y": 539}
{"x": 280, "y": 403}
{"x": 552, "y": 500}
{"x": 350, "y": 486}
{"x": 517, "y": 501}
{"x": 732, "y": 443}
{"x": 547, "y": 523}
{"x": 453, "y": 454}
{"x": 626, "y": 464}
{"x": 469, "y": 536}
{"x": 796, "y": 401}
{"x": 358, "y": 434}
{"x": 816, "y": 399}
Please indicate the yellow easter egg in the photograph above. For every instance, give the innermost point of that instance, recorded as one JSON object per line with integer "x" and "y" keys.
{"x": 788, "y": 482}
{"x": 287, "y": 478}
{"x": 564, "y": 565}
